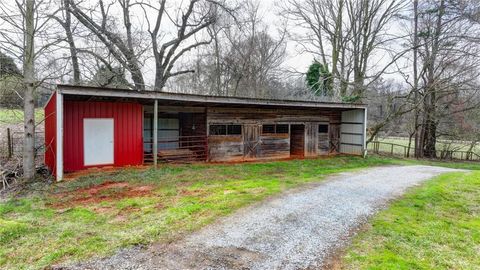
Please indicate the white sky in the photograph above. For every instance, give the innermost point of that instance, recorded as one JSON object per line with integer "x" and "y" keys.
{"x": 269, "y": 10}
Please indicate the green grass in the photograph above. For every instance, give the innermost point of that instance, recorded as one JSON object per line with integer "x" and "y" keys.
{"x": 44, "y": 227}
{"x": 38, "y": 231}
{"x": 15, "y": 116}
{"x": 435, "y": 226}
{"x": 471, "y": 165}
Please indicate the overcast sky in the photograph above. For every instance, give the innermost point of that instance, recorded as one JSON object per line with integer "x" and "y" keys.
{"x": 268, "y": 10}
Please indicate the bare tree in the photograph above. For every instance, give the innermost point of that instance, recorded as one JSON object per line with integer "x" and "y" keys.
{"x": 29, "y": 103}
{"x": 344, "y": 34}
{"x": 66, "y": 22}
{"x": 167, "y": 48}
{"x": 244, "y": 58}
{"x": 449, "y": 63}
{"x": 29, "y": 36}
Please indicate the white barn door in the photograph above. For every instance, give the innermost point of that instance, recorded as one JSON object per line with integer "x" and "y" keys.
{"x": 98, "y": 141}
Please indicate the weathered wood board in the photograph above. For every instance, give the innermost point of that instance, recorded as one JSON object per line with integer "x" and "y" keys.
{"x": 254, "y": 145}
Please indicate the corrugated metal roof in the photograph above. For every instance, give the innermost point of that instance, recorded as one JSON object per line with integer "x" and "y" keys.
{"x": 199, "y": 99}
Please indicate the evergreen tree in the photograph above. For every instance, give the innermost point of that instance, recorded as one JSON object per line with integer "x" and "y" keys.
{"x": 7, "y": 66}
{"x": 319, "y": 79}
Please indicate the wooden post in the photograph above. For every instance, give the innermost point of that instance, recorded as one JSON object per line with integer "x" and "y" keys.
{"x": 155, "y": 133}
{"x": 9, "y": 142}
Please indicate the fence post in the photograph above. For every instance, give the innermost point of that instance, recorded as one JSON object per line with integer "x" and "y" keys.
{"x": 391, "y": 150}
{"x": 9, "y": 142}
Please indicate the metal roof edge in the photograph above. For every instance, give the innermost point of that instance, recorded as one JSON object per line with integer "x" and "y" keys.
{"x": 114, "y": 92}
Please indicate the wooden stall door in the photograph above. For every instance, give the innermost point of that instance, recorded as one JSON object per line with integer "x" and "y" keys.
{"x": 297, "y": 140}
{"x": 311, "y": 139}
{"x": 251, "y": 141}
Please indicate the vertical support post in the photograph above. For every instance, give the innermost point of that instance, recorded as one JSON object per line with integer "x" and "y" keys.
{"x": 206, "y": 134}
{"x": 155, "y": 133}
{"x": 59, "y": 136}
{"x": 365, "y": 151}
{"x": 9, "y": 142}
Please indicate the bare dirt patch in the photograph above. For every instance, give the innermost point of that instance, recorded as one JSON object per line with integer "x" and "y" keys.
{"x": 107, "y": 191}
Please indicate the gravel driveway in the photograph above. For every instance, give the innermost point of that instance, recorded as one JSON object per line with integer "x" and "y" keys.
{"x": 297, "y": 230}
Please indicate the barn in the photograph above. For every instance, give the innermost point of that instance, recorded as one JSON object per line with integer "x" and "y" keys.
{"x": 93, "y": 127}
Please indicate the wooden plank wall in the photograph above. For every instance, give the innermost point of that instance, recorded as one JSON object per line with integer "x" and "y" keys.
{"x": 268, "y": 146}
{"x": 274, "y": 146}
{"x": 311, "y": 139}
{"x": 334, "y": 132}
{"x": 225, "y": 148}
{"x": 323, "y": 144}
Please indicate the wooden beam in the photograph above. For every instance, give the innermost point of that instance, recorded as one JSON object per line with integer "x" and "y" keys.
{"x": 155, "y": 133}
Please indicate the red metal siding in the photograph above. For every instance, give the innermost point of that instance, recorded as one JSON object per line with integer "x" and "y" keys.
{"x": 128, "y": 141}
{"x": 51, "y": 133}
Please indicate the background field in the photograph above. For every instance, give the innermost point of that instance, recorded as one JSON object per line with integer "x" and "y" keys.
{"x": 401, "y": 142}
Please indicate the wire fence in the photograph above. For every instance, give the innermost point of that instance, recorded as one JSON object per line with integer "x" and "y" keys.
{"x": 11, "y": 144}
{"x": 394, "y": 149}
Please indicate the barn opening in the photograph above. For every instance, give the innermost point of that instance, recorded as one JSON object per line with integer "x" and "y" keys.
{"x": 181, "y": 136}
{"x": 297, "y": 140}
{"x": 323, "y": 139}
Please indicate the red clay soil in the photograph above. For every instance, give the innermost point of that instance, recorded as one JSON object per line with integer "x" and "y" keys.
{"x": 106, "y": 169}
{"x": 107, "y": 191}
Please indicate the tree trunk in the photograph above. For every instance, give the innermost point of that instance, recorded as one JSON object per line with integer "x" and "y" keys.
{"x": 430, "y": 139}
{"x": 71, "y": 43}
{"x": 415, "y": 78}
{"x": 29, "y": 105}
{"x": 431, "y": 88}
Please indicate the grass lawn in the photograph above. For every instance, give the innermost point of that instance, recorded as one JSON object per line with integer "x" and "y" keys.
{"x": 435, "y": 226}
{"x": 15, "y": 116}
{"x": 97, "y": 214}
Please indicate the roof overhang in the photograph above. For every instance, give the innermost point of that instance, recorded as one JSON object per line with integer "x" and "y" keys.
{"x": 199, "y": 100}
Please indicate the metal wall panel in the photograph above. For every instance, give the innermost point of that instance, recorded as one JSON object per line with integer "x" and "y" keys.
{"x": 352, "y": 132}
{"x": 128, "y": 142}
{"x": 50, "y": 133}
{"x": 352, "y": 128}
